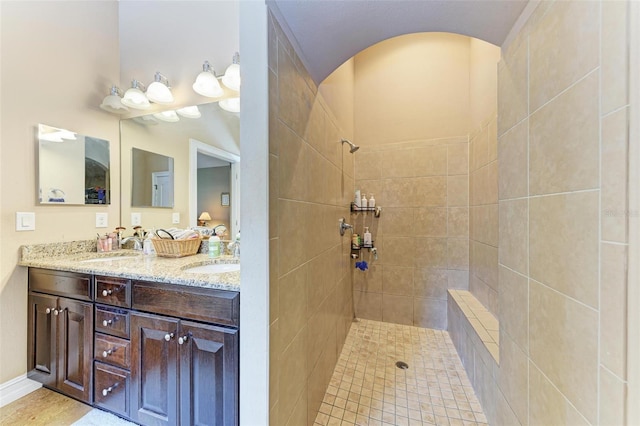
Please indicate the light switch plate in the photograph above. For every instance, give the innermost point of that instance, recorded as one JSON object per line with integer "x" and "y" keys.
{"x": 102, "y": 220}
{"x": 175, "y": 217}
{"x": 136, "y": 219}
{"x": 25, "y": 221}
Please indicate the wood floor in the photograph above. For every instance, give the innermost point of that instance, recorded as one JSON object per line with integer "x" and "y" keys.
{"x": 43, "y": 407}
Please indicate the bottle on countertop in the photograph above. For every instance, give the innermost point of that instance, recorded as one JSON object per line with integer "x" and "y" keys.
{"x": 214, "y": 246}
{"x": 363, "y": 202}
{"x": 372, "y": 202}
{"x": 367, "y": 237}
{"x": 147, "y": 245}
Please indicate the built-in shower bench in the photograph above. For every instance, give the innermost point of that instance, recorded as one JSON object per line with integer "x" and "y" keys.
{"x": 474, "y": 332}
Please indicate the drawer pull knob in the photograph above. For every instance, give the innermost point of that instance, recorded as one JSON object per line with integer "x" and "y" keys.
{"x": 48, "y": 310}
{"x": 106, "y": 293}
{"x": 182, "y": 340}
{"x": 108, "y": 352}
{"x": 108, "y": 390}
{"x": 168, "y": 336}
{"x": 107, "y": 323}
{"x": 56, "y": 312}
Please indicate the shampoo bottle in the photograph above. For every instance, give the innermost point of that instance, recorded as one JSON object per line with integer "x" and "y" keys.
{"x": 363, "y": 202}
{"x": 357, "y": 199}
{"x": 367, "y": 237}
{"x": 372, "y": 202}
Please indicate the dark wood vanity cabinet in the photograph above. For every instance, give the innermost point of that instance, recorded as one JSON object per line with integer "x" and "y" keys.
{"x": 158, "y": 354}
{"x": 60, "y": 341}
{"x": 183, "y": 370}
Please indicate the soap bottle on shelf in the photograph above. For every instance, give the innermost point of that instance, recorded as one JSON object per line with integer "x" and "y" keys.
{"x": 367, "y": 237}
{"x": 372, "y": 202}
{"x": 363, "y": 202}
{"x": 357, "y": 199}
{"x": 355, "y": 241}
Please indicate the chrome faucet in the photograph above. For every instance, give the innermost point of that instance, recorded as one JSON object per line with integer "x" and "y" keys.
{"x": 137, "y": 242}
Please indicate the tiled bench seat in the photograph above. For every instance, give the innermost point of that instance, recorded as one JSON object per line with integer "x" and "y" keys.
{"x": 474, "y": 332}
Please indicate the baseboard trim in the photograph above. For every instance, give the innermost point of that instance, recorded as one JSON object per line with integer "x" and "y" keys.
{"x": 16, "y": 389}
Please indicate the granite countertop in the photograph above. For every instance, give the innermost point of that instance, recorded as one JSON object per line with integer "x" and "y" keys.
{"x": 130, "y": 264}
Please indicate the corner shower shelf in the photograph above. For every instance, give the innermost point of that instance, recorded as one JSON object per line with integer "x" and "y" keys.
{"x": 375, "y": 210}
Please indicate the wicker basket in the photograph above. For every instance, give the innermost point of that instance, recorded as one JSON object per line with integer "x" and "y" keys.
{"x": 176, "y": 248}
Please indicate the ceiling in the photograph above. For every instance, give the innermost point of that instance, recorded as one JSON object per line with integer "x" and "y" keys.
{"x": 327, "y": 33}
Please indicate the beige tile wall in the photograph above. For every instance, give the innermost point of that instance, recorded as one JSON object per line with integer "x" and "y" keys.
{"x": 563, "y": 110}
{"x": 422, "y": 235}
{"x": 483, "y": 205}
{"x": 311, "y": 184}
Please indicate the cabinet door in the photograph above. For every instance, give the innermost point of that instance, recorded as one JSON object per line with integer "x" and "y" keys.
{"x": 154, "y": 370}
{"x": 42, "y": 339}
{"x": 208, "y": 375}
{"x": 75, "y": 348}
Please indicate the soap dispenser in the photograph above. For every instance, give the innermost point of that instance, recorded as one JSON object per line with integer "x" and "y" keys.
{"x": 372, "y": 202}
{"x": 363, "y": 202}
{"x": 367, "y": 237}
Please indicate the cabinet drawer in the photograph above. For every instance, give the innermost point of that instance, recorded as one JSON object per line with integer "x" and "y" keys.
{"x": 112, "y": 321}
{"x": 113, "y": 350}
{"x": 113, "y": 291}
{"x": 75, "y": 286}
{"x": 111, "y": 388}
{"x": 197, "y": 303}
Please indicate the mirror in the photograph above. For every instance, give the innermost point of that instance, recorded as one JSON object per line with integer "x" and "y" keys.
{"x": 205, "y": 156}
{"x": 72, "y": 168}
{"x": 151, "y": 179}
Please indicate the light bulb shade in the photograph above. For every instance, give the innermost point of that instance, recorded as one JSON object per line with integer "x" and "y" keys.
{"x": 159, "y": 93}
{"x": 230, "y": 104}
{"x": 204, "y": 216}
{"x": 189, "y": 112}
{"x": 134, "y": 98}
{"x": 113, "y": 104}
{"x": 207, "y": 84}
{"x": 231, "y": 77}
{"x": 168, "y": 116}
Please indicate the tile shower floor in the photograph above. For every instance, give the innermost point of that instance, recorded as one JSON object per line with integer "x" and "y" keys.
{"x": 368, "y": 389}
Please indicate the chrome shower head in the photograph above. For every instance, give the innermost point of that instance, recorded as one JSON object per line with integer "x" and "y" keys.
{"x": 353, "y": 146}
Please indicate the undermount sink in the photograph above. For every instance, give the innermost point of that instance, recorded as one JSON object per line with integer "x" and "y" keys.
{"x": 109, "y": 258}
{"x": 216, "y": 268}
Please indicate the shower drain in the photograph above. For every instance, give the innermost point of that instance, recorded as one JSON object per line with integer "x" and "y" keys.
{"x": 402, "y": 365}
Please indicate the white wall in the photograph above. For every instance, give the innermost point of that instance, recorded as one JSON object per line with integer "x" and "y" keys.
{"x": 412, "y": 87}
{"x": 58, "y": 60}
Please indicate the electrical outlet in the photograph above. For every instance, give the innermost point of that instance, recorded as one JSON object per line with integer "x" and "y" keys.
{"x": 175, "y": 218}
{"x": 25, "y": 221}
{"x": 102, "y": 220}
{"x": 136, "y": 219}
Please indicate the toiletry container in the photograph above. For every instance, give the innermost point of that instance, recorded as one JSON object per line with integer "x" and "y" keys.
{"x": 363, "y": 202}
{"x": 372, "y": 202}
{"x": 367, "y": 237}
{"x": 214, "y": 246}
{"x": 147, "y": 245}
{"x": 355, "y": 241}
{"x": 357, "y": 200}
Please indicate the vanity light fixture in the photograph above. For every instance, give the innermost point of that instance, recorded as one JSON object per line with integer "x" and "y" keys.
{"x": 206, "y": 83}
{"x": 134, "y": 97}
{"x": 168, "y": 116}
{"x": 158, "y": 91}
{"x": 189, "y": 112}
{"x": 231, "y": 77}
{"x": 230, "y": 104}
{"x": 113, "y": 102}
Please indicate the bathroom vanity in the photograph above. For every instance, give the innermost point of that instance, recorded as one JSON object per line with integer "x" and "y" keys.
{"x": 156, "y": 349}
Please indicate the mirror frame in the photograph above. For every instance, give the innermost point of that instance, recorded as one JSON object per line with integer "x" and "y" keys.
{"x": 195, "y": 146}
